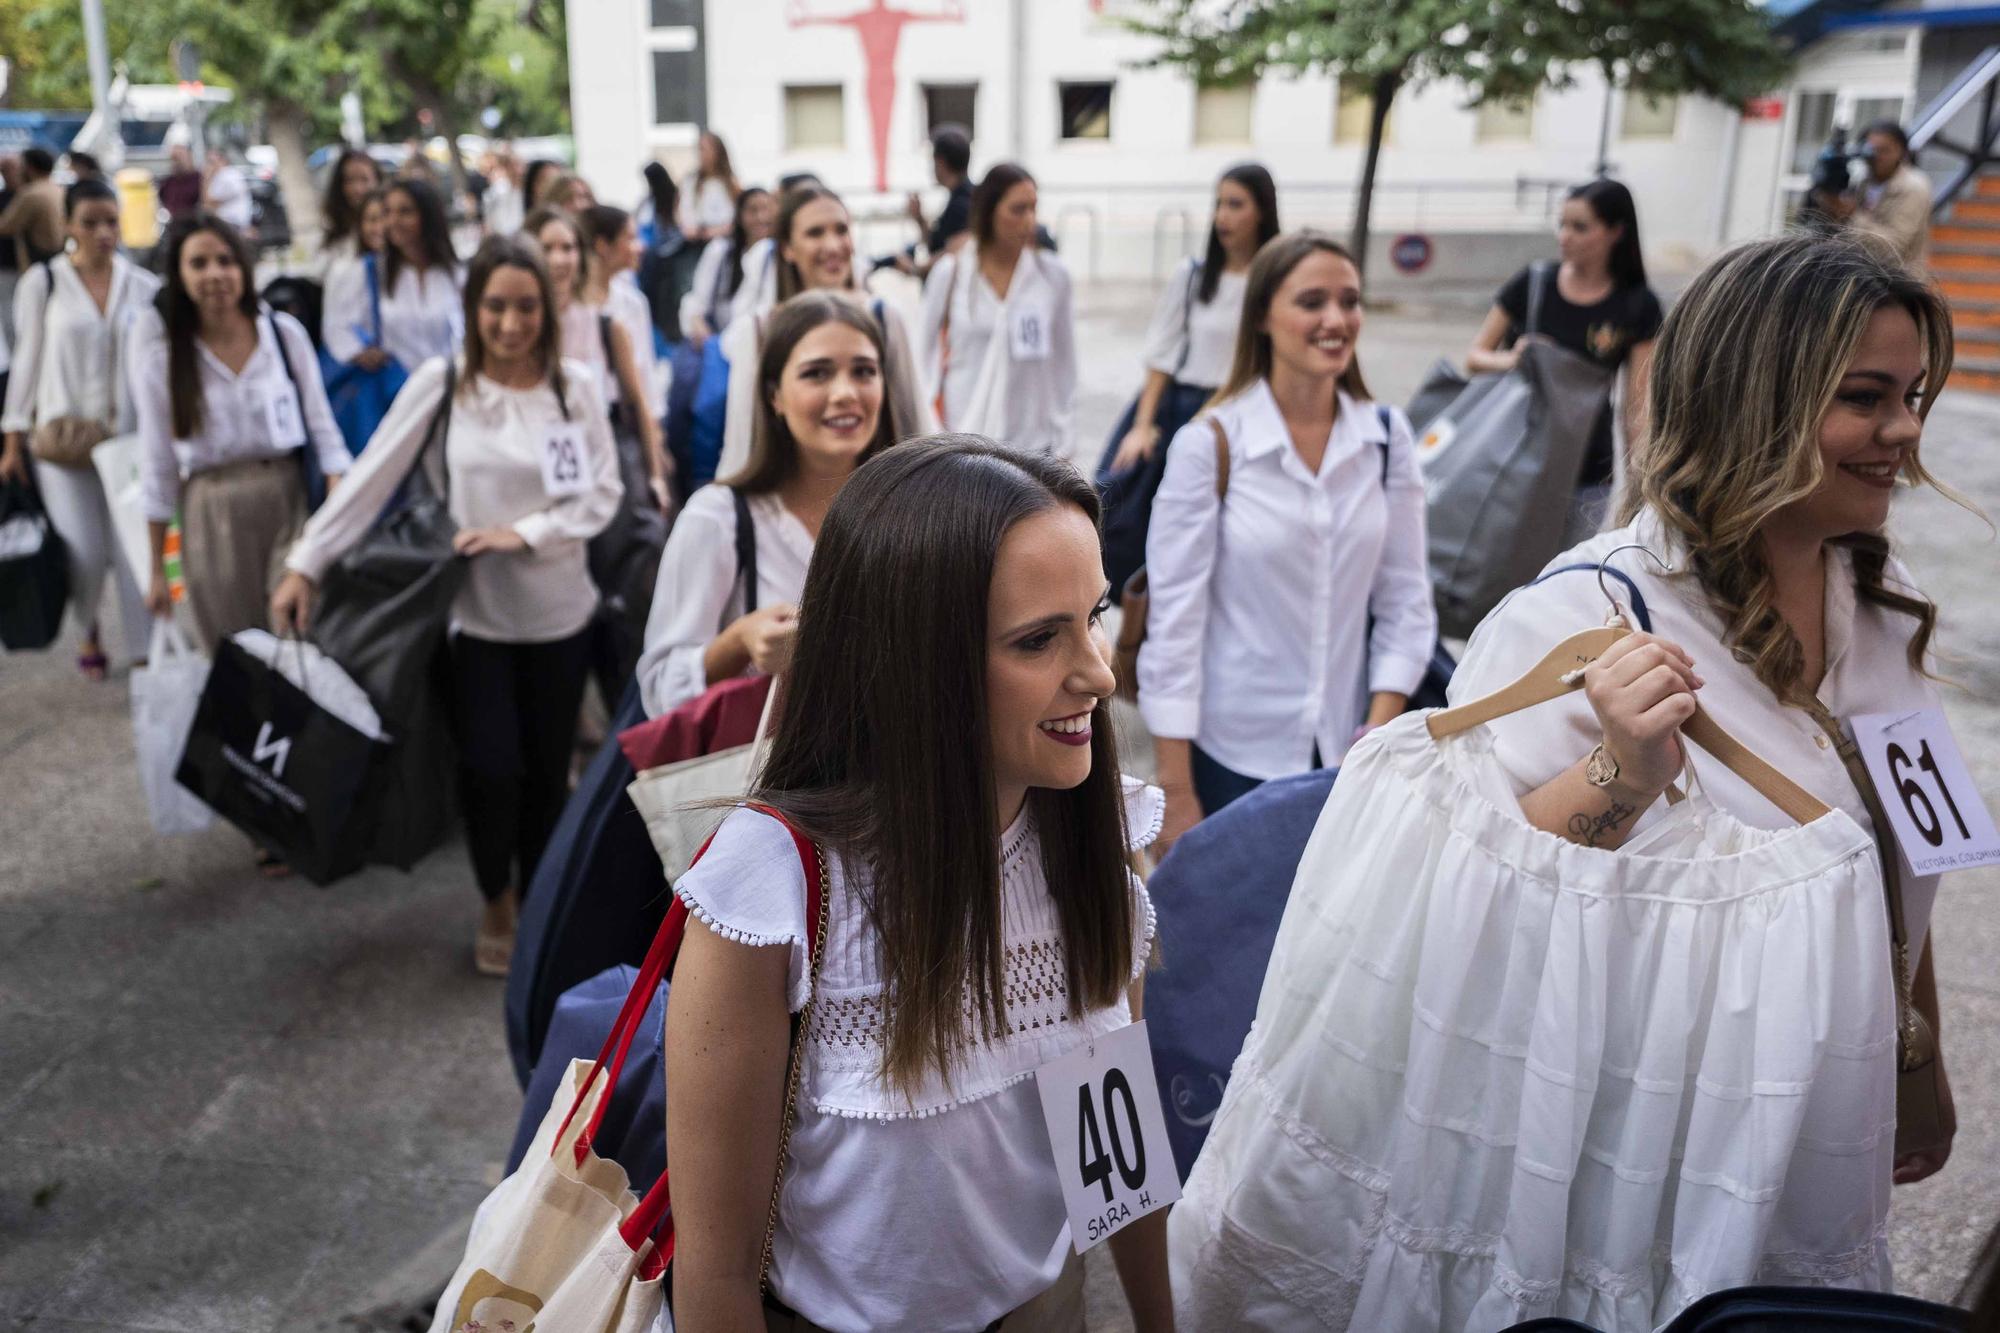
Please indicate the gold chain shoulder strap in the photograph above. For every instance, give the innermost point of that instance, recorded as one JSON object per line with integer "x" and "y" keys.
{"x": 799, "y": 1027}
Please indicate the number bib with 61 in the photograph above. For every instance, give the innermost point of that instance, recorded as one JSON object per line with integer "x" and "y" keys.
{"x": 1102, "y": 1105}
{"x": 1939, "y": 820}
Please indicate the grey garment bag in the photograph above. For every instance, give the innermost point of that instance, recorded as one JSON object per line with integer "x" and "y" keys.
{"x": 1500, "y": 459}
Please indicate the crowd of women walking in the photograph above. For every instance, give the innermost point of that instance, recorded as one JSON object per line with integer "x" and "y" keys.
{"x": 1571, "y": 1013}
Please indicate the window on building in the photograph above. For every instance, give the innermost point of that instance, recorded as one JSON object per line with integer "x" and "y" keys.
{"x": 1812, "y": 121}
{"x": 1086, "y": 110}
{"x": 680, "y": 95}
{"x": 1352, "y": 108}
{"x": 1869, "y": 110}
{"x": 815, "y": 116}
{"x": 1222, "y": 114}
{"x": 950, "y": 104}
{"x": 676, "y": 13}
{"x": 1508, "y": 121}
{"x": 1648, "y": 117}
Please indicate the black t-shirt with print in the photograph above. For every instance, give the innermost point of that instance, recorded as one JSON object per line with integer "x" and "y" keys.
{"x": 1606, "y": 332}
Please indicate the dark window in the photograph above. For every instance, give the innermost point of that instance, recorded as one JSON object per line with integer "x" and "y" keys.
{"x": 949, "y": 104}
{"x": 676, "y": 13}
{"x": 1086, "y": 110}
{"x": 680, "y": 95}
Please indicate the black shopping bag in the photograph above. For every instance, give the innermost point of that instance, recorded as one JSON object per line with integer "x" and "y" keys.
{"x": 271, "y": 761}
{"x": 34, "y": 571}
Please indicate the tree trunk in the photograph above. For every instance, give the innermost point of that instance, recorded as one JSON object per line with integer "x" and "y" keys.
{"x": 1380, "y": 98}
{"x": 285, "y": 121}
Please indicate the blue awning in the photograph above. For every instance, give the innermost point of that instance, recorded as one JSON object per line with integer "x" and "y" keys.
{"x": 1806, "y": 21}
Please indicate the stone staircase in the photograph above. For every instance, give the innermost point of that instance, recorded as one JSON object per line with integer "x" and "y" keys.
{"x": 1965, "y": 260}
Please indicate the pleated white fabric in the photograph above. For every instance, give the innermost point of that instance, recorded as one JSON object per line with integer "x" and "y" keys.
{"x": 1496, "y": 1076}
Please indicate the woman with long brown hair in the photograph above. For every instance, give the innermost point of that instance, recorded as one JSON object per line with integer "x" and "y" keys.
{"x": 1566, "y": 1016}
{"x": 708, "y": 203}
{"x": 1291, "y": 599}
{"x": 943, "y": 736}
{"x": 526, "y": 461}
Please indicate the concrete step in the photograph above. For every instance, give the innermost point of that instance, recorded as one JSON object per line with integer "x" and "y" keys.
{"x": 1975, "y": 315}
{"x": 1959, "y": 287}
{"x": 1969, "y": 259}
{"x": 1976, "y": 209}
{"x": 1976, "y": 380}
{"x": 1987, "y": 186}
{"x": 1966, "y": 233}
{"x": 1976, "y": 343}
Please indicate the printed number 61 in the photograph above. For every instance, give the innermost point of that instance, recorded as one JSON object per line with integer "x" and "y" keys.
{"x": 1928, "y": 824}
{"x": 1095, "y": 1163}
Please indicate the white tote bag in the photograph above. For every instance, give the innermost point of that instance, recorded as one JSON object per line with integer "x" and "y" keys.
{"x": 165, "y": 694}
{"x": 550, "y": 1247}
{"x": 672, "y": 798}
{"x": 119, "y": 462}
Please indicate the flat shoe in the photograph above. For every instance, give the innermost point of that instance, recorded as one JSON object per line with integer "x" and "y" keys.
{"x": 492, "y": 952}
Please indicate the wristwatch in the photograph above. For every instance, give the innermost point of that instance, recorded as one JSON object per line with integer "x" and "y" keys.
{"x": 1600, "y": 769}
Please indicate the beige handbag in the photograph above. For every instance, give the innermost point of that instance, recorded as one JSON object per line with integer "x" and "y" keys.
{"x": 67, "y": 441}
{"x": 1134, "y": 602}
{"x": 1919, "y": 1103}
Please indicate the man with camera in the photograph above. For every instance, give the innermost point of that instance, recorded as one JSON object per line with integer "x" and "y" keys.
{"x": 1893, "y": 202}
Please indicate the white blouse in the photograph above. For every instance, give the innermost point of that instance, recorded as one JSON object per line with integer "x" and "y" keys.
{"x": 629, "y": 308}
{"x": 759, "y": 291}
{"x": 699, "y": 593}
{"x": 1867, "y": 671}
{"x": 1024, "y": 401}
{"x": 705, "y": 298}
{"x": 706, "y": 205}
{"x": 423, "y": 314}
{"x": 238, "y": 415}
{"x": 1259, "y": 646}
{"x": 66, "y": 352}
{"x": 939, "y": 1209}
{"x": 1192, "y": 340}
{"x": 494, "y": 458}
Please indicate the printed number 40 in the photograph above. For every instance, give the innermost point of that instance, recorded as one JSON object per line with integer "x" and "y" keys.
{"x": 1928, "y": 824}
{"x": 1095, "y": 1163}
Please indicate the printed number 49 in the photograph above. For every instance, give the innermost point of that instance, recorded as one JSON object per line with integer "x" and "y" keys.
{"x": 1928, "y": 824}
{"x": 1095, "y": 1163}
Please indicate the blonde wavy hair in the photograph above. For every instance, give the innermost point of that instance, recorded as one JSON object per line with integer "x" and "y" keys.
{"x": 1745, "y": 369}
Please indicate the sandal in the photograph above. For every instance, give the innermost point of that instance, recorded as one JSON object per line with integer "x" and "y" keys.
{"x": 492, "y": 952}
{"x": 271, "y": 865}
{"x": 94, "y": 664}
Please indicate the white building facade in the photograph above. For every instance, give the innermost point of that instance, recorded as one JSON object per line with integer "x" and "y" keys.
{"x": 1125, "y": 156}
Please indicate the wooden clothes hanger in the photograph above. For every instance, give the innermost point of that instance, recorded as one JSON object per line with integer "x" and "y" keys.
{"x": 1561, "y": 671}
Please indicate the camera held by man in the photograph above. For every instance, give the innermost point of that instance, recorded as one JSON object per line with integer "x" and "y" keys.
{"x": 1873, "y": 187}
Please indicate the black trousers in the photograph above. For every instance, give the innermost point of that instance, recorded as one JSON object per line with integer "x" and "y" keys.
{"x": 514, "y": 707}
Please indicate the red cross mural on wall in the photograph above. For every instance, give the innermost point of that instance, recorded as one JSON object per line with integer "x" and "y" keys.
{"x": 880, "y": 29}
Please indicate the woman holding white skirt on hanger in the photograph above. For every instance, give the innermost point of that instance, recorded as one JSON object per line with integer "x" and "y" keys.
{"x": 999, "y": 325}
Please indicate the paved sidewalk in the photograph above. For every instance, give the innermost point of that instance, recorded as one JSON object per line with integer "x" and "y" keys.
{"x": 231, "y": 1104}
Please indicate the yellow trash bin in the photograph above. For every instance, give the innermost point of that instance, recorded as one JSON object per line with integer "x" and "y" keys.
{"x": 138, "y": 209}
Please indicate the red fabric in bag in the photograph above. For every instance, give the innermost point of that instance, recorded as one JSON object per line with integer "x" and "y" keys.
{"x": 722, "y": 718}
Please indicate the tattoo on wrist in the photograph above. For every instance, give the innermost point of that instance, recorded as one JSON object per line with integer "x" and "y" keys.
{"x": 1590, "y": 830}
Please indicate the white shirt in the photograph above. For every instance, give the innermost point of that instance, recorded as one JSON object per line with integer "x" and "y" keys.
{"x": 66, "y": 352}
{"x": 699, "y": 593}
{"x": 228, "y": 194}
{"x": 939, "y": 1210}
{"x": 759, "y": 291}
{"x": 707, "y": 205}
{"x": 237, "y": 416}
{"x": 1867, "y": 671}
{"x": 330, "y": 256}
{"x": 1258, "y": 645}
{"x": 705, "y": 298}
{"x": 423, "y": 314}
{"x": 502, "y": 207}
{"x": 493, "y": 456}
{"x": 1189, "y": 339}
{"x": 1021, "y": 401}
{"x": 629, "y": 308}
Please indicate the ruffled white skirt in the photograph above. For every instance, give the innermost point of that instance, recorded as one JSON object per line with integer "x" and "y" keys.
{"x": 1496, "y": 1076}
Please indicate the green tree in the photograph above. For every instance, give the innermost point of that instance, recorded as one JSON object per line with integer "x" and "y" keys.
{"x": 1497, "y": 51}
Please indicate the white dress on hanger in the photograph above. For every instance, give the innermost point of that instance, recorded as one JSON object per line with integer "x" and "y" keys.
{"x": 1496, "y": 1075}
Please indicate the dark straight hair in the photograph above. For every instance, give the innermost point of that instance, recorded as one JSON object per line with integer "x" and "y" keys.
{"x": 433, "y": 234}
{"x": 1612, "y": 203}
{"x": 1264, "y": 192}
{"x": 91, "y": 189}
{"x": 494, "y": 254}
{"x": 774, "y": 454}
{"x": 531, "y": 180}
{"x": 739, "y": 239}
{"x": 338, "y": 217}
{"x": 666, "y": 196}
{"x": 883, "y": 747}
{"x": 183, "y": 321}
{"x": 986, "y": 196}
{"x": 602, "y": 222}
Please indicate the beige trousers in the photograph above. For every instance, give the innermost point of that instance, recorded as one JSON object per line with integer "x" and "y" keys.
{"x": 238, "y": 524}
{"x": 1057, "y": 1310}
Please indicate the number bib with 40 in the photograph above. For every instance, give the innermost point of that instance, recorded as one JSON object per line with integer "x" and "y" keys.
{"x": 1102, "y": 1106}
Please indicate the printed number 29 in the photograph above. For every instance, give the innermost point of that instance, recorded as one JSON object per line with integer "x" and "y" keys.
{"x": 1096, "y": 1165}
{"x": 1928, "y": 824}
{"x": 568, "y": 466}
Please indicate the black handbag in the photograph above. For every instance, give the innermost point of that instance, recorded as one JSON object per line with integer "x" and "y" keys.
{"x": 34, "y": 571}
{"x": 385, "y": 609}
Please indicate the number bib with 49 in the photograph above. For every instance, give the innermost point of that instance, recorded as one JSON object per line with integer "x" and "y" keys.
{"x": 1102, "y": 1105}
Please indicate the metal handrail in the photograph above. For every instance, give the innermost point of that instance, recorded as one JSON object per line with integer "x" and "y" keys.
{"x": 1979, "y": 79}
